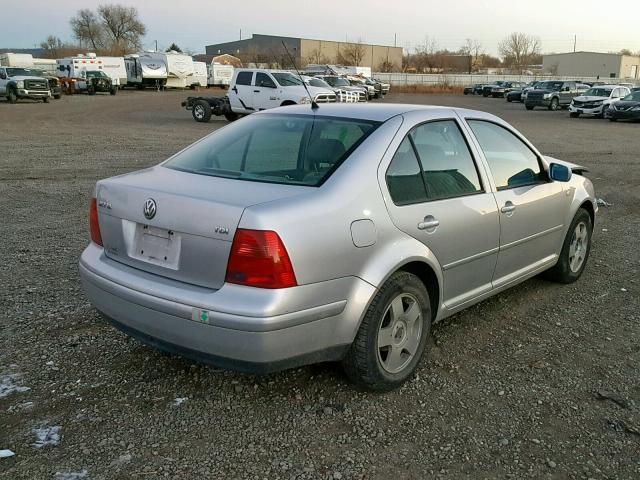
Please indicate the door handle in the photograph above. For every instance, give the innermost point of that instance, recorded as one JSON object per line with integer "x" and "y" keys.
{"x": 235, "y": 89}
{"x": 509, "y": 207}
{"x": 429, "y": 223}
{"x": 256, "y": 91}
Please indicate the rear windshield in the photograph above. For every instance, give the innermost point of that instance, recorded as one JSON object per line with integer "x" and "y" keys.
{"x": 276, "y": 148}
{"x": 598, "y": 92}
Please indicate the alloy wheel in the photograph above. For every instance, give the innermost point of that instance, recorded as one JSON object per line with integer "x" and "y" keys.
{"x": 578, "y": 247}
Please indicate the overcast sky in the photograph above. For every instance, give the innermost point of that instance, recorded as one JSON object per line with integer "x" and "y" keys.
{"x": 192, "y": 24}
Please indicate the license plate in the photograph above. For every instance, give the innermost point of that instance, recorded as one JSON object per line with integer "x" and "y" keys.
{"x": 158, "y": 246}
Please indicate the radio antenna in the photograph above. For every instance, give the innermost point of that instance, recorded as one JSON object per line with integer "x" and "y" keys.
{"x": 314, "y": 105}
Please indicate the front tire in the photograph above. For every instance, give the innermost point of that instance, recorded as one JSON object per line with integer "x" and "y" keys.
{"x": 45, "y": 100}
{"x": 554, "y": 105}
{"x": 12, "y": 97}
{"x": 231, "y": 116}
{"x": 575, "y": 250}
{"x": 574, "y": 114}
{"x": 392, "y": 336}
{"x": 201, "y": 111}
{"x": 113, "y": 90}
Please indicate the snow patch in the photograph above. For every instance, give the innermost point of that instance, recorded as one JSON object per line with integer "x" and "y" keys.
{"x": 8, "y": 384}
{"x": 179, "y": 401}
{"x": 71, "y": 475}
{"x": 46, "y": 436}
{"x": 6, "y": 453}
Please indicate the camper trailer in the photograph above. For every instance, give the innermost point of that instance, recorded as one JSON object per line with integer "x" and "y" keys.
{"x": 19, "y": 60}
{"x": 220, "y": 75}
{"x": 114, "y": 67}
{"x": 179, "y": 67}
{"x": 145, "y": 70}
{"x": 76, "y": 67}
{"x": 199, "y": 78}
{"x": 46, "y": 65}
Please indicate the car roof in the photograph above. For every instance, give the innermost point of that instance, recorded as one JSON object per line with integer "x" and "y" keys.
{"x": 379, "y": 112}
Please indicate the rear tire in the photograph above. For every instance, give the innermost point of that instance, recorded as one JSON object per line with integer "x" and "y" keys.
{"x": 554, "y": 105}
{"x": 392, "y": 336}
{"x": 231, "y": 116}
{"x": 575, "y": 250}
{"x": 201, "y": 111}
{"x": 12, "y": 96}
{"x": 528, "y": 107}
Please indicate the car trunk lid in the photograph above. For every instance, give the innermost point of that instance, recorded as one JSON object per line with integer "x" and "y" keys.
{"x": 176, "y": 224}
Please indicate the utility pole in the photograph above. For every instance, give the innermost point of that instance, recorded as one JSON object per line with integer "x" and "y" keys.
{"x": 575, "y": 40}
{"x": 395, "y": 37}
{"x": 156, "y": 45}
{"x": 240, "y": 34}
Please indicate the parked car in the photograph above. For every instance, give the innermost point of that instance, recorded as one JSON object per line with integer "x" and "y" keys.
{"x": 344, "y": 84}
{"x": 487, "y": 89}
{"x": 18, "y": 83}
{"x": 341, "y": 94}
{"x": 473, "y": 89}
{"x": 336, "y": 234}
{"x": 529, "y": 86}
{"x": 255, "y": 89}
{"x": 626, "y": 109}
{"x": 357, "y": 81}
{"x": 95, "y": 81}
{"x": 386, "y": 86}
{"x": 597, "y": 100}
{"x": 377, "y": 86}
{"x": 514, "y": 95}
{"x": 553, "y": 94}
{"x": 501, "y": 90}
{"x": 54, "y": 82}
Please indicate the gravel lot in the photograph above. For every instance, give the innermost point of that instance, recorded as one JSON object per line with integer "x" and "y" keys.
{"x": 542, "y": 381}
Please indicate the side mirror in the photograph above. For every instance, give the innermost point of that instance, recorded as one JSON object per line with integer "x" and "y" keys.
{"x": 3, "y": 76}
{"x": 559, "y": 173}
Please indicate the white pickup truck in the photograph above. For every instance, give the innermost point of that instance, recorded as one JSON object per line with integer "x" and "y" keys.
{"x": 255, "y": 89}
{"x": 16, "y": 83}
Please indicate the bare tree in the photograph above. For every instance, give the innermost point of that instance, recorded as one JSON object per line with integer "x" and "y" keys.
{"x": 122, "y": 26}
{"x": 353, "y": 53}
{"x": 316, "y": 57}
{"x": 87, "y": 29}
{"x": 518, "y": 49}
{"x": 52, "y": 47}
{"x": 474, "y": 49}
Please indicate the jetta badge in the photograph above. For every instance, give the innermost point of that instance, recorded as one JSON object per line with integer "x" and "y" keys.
{"x": 150, "y": 208}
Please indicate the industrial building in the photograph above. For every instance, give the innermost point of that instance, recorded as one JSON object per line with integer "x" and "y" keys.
{"x": 268, "y": 49}
{"x": 592, "y": 64}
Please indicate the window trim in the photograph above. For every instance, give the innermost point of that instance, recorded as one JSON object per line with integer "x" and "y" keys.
{"x": 524, "y": 142}
{"x": 422, "y": 172}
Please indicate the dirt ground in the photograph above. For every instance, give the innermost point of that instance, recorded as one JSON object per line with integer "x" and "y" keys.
{"x": 541, "y": 381}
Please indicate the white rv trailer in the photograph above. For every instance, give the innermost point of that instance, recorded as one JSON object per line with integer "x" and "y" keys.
{"x": 77, "y": 66}
{"x": 145, "y": 69}
{"x": 220, "y": 75}
{"x": 179, "y": 68}
{"x": 47, "y": 65}
{"x": 199, "y": 78}
{"x": 20, "y": 60}
{"x": 114, "y": 67}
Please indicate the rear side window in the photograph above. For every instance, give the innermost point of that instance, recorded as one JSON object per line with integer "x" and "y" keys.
{"x": 512, "y": 162}
{"x": 449, "y": 169}
{"x": 244, "y": 78}
{"x": 276, "y": 148}
{"x": 404, "y": 176}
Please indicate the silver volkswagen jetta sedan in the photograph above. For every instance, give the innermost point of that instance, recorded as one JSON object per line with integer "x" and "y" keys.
{"x": 303, "y": 235}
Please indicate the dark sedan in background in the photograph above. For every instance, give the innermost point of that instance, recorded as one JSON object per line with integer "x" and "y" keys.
{"x": 514, "y": 95}
{"x": 626, "y": 109}
{"x": 501, "y": 90}
{"x": 475, "y": 89}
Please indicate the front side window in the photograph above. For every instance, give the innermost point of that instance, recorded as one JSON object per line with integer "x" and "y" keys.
{"x": 512, "y": 162}
{"x": 264, "y": 80}
{"x": 276, "y": 148}
{"x": 244, "y": 78}
{"x": 286, "y": 79}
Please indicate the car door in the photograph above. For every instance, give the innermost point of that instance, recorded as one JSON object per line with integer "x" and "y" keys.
{"x": 437, "y": 195}
{"x": 265, "y": 92}
{"x": 568, "y": 91}
{"x": 3, "y": 81}
{"x": 242, "y": 98}
{"x": 532, "y": 208}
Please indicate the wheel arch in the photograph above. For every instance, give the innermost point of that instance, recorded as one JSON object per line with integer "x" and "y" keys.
{"x": 588, "y": 206}
{"x": 427, "y": 275}
{"x": 287, "y": 102}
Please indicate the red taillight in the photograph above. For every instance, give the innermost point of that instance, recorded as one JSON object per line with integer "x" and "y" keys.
{"x": 94, "y": 226}
{"x": 258, "y": 258}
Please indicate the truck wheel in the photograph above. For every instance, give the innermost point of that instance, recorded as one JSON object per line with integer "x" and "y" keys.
{"x": 574, "y": 114}
{"x": 392, "y": 336}
{"x": 45, "y": 100}
{"x": 509, "y": 99}
{"x": 231, "y": 116}
{"x": 113, "y": 90}
{"x": 91, "y": 90}
{"x": 58, "y": 96}
{"x": 201, "y": 111}
{"x": 528, "y": 107}
{"x": 554, "y": 105}
{"x": 12, "y": 97}
{"x": 575, "y": 250}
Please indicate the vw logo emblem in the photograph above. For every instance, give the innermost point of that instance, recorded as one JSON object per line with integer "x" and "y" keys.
{"x": 150, "y": 208}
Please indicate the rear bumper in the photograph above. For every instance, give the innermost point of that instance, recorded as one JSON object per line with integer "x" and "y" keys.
{"x": 236, "y": 327}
